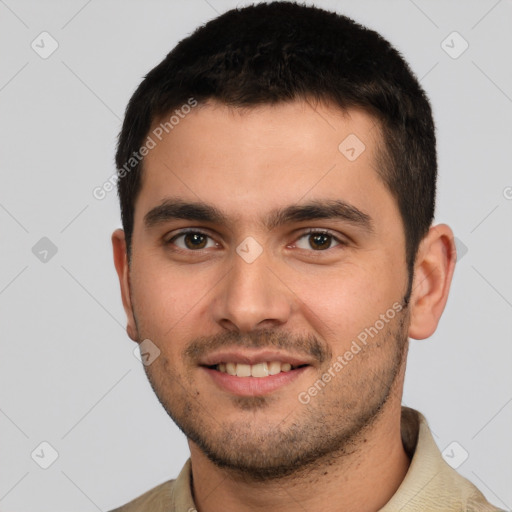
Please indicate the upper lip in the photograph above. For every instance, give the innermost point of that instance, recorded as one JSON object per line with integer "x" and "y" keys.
{"x": 253, "y": 357}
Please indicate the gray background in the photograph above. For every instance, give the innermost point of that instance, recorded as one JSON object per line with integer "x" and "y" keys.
{"x": 68, "y": 375}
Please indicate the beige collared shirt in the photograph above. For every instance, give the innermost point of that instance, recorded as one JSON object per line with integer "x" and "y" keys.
{"x": 429, "y": 485}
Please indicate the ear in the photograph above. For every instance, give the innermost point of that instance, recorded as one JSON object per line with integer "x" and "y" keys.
{"x": 122, "y": 268}
{"x": 433, "y": 272}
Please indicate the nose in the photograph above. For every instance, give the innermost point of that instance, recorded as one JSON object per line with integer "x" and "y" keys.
{"x": 252, "y": 296}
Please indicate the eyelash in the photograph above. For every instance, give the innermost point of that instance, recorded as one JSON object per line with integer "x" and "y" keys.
{"x": 319, "y": 231}
{"x": 311, "y": 231}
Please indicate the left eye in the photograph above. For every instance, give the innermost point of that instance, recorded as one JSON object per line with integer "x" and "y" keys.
{"x": 317, "y": 240}
{"x": 192, "y": 240}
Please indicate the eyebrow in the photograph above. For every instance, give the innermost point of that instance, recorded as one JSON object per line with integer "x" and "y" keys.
{"x": 331, "y": 209}
{"x": 173, "y": 208}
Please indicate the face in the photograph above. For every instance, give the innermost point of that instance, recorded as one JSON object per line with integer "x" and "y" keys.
{"x": 268, "y": 267}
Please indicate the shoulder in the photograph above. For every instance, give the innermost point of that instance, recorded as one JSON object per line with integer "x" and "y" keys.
{"x": 155, "y": 500}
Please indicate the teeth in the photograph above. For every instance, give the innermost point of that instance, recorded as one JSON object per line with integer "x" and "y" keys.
{"x": 254, "y": 370}
{"x": 258, "y": 370}
{"x": 243, "y": 370}
{"x": 274, "y": 368}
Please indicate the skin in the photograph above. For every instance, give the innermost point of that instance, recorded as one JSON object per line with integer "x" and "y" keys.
{"x": 272, "y": 450}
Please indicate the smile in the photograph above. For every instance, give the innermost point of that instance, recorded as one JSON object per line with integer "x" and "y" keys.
{"x": 259, "y": 370}
{"x": 253, "y": 379}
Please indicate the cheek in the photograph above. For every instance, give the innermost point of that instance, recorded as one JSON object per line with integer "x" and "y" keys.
{"x": 163, "y": 300}
{"x": 340, "y": 305}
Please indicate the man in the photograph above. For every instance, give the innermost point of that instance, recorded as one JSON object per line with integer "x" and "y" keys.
{"x": 277, "y": 176}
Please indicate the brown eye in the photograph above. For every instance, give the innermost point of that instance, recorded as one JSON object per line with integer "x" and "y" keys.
{"x": 318, "y": 241}
{"x": 192, "y": 240}
{"x": 195, "y": 240}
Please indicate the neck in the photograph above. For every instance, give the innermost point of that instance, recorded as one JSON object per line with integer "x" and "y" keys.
{"x": 363, "y": 480}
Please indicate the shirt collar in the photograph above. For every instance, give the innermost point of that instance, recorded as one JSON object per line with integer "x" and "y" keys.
{"x": 429, "y": 481}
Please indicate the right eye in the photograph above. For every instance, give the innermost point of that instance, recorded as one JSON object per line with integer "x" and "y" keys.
{"x": 192, "y": 241}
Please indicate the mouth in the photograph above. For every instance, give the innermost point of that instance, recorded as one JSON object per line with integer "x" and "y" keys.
{"x": 253, "y": 373}
{"x": 258, "y": 370}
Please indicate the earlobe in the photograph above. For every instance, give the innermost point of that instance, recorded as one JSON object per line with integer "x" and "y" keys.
{"x": 433, "y": 272}
{"x": 122, "y": 268}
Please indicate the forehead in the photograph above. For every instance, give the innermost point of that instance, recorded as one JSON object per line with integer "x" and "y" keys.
{"x": 264, "y": 156}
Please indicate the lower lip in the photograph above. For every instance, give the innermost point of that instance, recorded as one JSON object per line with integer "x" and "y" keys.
{"x": 253, "y": 386}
